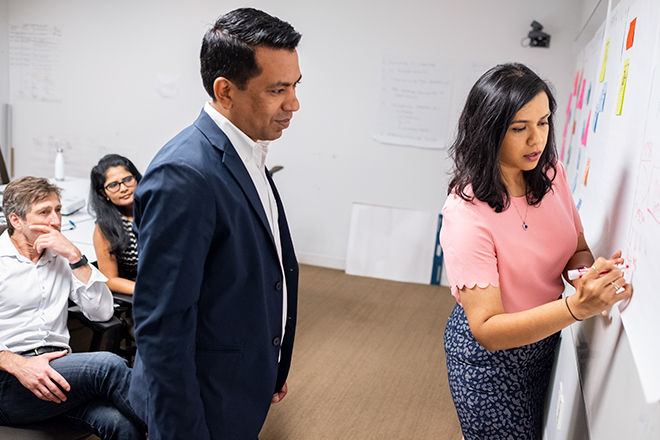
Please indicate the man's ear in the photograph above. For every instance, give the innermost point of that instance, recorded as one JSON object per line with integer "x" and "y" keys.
{"x": 15, "y": 221}
{"x": 223, "y": 91}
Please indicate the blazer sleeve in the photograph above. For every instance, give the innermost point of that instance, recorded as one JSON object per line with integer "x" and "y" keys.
{"x": 174, "y": 215}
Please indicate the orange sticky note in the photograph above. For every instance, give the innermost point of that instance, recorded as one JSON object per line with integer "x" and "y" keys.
{"x": 586, "y": 171}
{"x": 631, "y": 34}
{"x": 573, "y": 131}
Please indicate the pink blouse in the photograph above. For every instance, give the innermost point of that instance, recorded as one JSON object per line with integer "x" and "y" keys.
{"x": 482, "y": 247}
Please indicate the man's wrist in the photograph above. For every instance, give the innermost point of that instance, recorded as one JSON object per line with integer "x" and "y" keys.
{"x": 8, "y": 361}
{"x": 75, "y": 256}
{"x": 82, "y": 261}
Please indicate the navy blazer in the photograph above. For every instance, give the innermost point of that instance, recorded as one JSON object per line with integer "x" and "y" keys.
{"x": 208, "y": 295}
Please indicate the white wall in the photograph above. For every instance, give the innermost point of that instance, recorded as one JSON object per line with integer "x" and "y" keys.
{"x": 4, "y": 73}
{"x": 114, "y": 53}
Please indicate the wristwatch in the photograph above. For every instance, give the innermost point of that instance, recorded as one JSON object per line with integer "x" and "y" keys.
{"x": 79, "y": 263}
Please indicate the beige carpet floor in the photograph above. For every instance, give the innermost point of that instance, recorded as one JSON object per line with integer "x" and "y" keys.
{"x": 368, "y": 362}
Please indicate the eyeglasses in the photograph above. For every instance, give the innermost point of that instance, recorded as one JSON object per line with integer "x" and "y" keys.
{"x": 128, "y": 181}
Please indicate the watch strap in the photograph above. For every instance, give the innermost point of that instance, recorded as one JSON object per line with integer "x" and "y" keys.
{"x": 79, "y": 263}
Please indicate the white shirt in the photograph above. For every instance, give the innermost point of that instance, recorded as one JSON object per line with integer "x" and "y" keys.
{"x": 34, "y": 299}
{"x": 253, "y": 155}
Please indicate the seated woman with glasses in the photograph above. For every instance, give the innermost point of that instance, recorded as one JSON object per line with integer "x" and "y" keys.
{"x": 113, "y": 182}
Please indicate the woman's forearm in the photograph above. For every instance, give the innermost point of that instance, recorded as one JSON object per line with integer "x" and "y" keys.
{"x": 121, "y": 285}
{"x": 508, "y": 330}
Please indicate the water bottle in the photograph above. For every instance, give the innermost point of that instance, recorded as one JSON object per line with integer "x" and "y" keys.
{"x": 59, "y": 164}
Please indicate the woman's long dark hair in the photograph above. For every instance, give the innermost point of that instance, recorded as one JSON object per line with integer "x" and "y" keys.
{"x": 108, "y": 215}
{"x": 491, "y": 105}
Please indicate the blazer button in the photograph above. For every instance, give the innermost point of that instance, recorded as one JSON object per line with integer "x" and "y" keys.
{"x": 278, "y": 285}
{"x": 276, "y": 341}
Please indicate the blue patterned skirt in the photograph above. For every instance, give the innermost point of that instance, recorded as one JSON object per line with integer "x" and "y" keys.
{"x": 499, "y": 394}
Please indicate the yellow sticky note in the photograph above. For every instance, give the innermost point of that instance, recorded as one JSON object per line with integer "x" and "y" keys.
{"x": 622, "y": 87}
{"x": 603, "y": 67}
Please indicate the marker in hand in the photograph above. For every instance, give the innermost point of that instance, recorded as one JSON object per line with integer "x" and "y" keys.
{"x": 574, "y": 274}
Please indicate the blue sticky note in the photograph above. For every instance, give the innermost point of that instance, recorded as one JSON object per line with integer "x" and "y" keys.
{"x": 579, "y": 204}
{"x": 596, "y": 121}
{"x": 601, "y": 102}
{"x": 574, "y": 185}
{"x": 588, "y": 94}
{"x": 579, "y": 159}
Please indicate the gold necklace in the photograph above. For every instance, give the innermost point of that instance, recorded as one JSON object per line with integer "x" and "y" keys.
{"x": 524, "y": 220}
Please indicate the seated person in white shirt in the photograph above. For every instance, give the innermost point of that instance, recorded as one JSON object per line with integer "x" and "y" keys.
{"x": 40, "y": 270}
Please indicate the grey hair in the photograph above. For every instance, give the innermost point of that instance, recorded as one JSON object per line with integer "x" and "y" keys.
{"x": 22, "y": 193}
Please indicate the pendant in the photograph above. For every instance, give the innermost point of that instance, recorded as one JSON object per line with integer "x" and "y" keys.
{"x": 524, "y": 225}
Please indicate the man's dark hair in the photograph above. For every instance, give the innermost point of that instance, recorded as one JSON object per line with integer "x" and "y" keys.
{"x": 489, "y": 109}
{"x": 228, "y": 47}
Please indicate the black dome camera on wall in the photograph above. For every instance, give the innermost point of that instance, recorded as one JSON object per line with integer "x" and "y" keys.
{"x": 538, "y": 38}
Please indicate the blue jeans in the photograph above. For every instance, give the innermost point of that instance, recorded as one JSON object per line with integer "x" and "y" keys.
{"x": 98, "y": 397}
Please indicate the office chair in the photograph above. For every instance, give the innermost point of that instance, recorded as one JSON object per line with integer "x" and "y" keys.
{"x": 54, "y": 429}
{"x": 109, "y": 329}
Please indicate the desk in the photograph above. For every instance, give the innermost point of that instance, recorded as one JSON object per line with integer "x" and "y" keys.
{"x": 82, "y": 235}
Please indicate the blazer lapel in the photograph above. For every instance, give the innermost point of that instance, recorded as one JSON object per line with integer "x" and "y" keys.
{"x": 232, "y": 161}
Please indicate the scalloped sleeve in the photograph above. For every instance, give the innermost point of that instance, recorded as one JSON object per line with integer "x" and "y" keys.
{"x": 468, "y": 246}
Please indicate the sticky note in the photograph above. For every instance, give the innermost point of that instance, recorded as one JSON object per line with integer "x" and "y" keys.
{"x": 575, "y": 83}
{"x": 585, "y": 131}
{"x": 622, "y": 87}
{"x": 631, "y": 34}
{"x": 603, "y": 66}
{"x": 601, "y": 102}
{"x": 573, "y": 131}
{"x": 579, "y": 103}
{"x": 586, "y": 171}
{"x": 579, "y": 161}
{"x": 579, "y": 204}
{"x": 596, "y": 121}
{"x": 588, "y": 94}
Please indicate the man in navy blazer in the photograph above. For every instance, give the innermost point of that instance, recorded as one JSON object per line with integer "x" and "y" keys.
{"x": 216, "y": 291}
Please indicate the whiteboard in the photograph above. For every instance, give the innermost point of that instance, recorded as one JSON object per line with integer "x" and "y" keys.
{"x": 611, "y": 149}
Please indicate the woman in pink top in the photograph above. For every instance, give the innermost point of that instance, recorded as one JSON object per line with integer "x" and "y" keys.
{"x": 510, "y": 230}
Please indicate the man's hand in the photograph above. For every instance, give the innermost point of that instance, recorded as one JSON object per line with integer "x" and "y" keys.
{"x": 277, "y": 397}
{"x": 36, "y": 374}
{"x": 53, "y": 239}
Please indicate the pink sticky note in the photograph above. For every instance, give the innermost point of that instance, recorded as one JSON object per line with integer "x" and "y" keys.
{"x": 579, "y": 103}
{"x": 586, "y": 130}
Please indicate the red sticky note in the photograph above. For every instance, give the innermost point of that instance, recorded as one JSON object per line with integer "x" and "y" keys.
{"x": 631, "y": 34}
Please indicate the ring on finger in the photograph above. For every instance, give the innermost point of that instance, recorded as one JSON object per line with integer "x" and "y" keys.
{"x": 617, "y": 288}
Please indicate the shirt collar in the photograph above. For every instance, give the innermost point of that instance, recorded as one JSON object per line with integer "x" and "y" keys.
{"x": 7, "y": 248}
{"x": 248, "y": 150}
